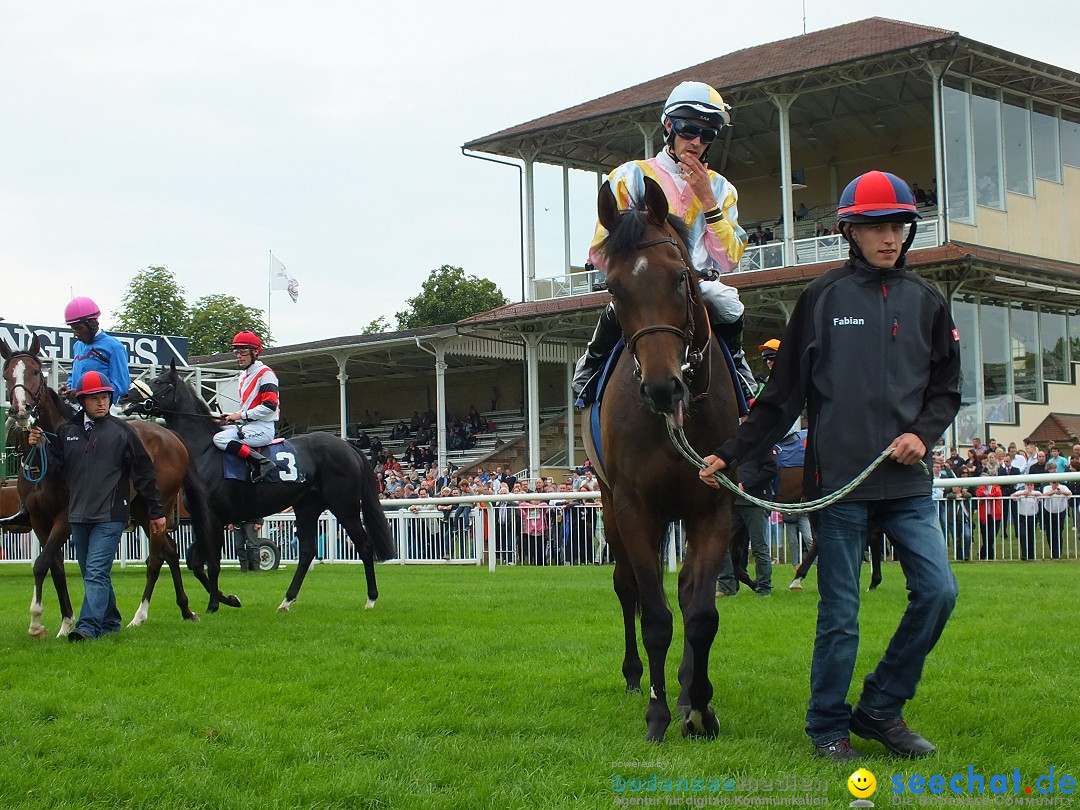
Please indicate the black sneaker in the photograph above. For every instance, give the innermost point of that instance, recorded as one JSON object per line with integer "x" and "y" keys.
{"x": 838, "y": 750}
{"x": 79, "y": 635}
{"x": 893, "y": 733}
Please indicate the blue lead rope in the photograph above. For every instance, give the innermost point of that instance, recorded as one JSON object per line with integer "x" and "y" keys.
{"x": 38, "y": 451}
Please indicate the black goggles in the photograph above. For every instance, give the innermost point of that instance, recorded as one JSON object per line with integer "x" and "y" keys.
{"x": 690, "y": 130}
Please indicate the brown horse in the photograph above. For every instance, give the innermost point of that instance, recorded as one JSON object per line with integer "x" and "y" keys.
{"x": 33, "y": 402}
{"x": 673, "y": 371}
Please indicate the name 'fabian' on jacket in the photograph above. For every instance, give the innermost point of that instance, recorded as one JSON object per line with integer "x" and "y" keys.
{"x": 848, "y": 321}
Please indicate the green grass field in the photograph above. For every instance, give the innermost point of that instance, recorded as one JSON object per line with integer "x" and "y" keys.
{"x": 470, "y": 689}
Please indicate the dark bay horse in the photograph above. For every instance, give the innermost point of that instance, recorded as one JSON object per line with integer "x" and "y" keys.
{"x": 33, "y": 402}
{"x": 673, "y": 371}
{"x": 336, "y": 477}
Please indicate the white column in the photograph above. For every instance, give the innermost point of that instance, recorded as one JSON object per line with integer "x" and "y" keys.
{"x": 440, "y": 401}
{"x": 937, "y": 70}
{"x": 783, "y": 103}
{"x": 566, "y": 216}
{"x": 571, "y": 413}
{"x": 532, "y": 393}
{"x": 530, "y": 229}
{"x": 343, "y": 393}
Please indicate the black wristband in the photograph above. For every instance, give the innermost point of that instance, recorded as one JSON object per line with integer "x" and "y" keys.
{"x": 714, "y": 215}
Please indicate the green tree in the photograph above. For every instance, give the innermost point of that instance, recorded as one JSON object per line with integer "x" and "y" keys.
{"x": 216, "y": 318}
{"x": 377, "y": 326}
{"x": 448, "y": 296}
{"x": 154, "y": 304}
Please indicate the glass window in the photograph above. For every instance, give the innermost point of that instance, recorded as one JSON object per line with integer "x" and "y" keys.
{"x": 969, "y": 418}
{"x": 986, "y": 126}
{"x": 1044, "y": 141}
{"x": 957, "y": 126}
{"x": 1016, "y": 129}
{"x": 1024, "y": 347}
{"x": 1074, "y": 334}
{"x": 1055, "y": 346}
{"x": 996, "y": 358}
{"x": 1070, "y": 137}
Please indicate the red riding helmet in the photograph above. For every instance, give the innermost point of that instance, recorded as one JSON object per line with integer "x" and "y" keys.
{"x": 247, "y": 340}
{"x": 93, "y": 382}
{"x": 877, "y": 197}
{"x": 79, "y": 309}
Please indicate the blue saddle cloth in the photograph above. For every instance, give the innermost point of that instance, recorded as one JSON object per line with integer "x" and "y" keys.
{"x": 601, "y": 386}
{"x": 280, "y": 451}
{"x": 791, "y": 451}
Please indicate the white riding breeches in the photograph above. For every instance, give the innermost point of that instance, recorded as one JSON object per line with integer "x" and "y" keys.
{"x": 255, "y": 434}
{"x": 721, "y": 301}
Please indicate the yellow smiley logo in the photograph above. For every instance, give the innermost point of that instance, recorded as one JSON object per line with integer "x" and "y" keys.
{"x": 862, "y": 784}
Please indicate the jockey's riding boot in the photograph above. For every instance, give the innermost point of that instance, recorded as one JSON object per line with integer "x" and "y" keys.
{"x": 17, "y": 521}
{"x": 731, "y": 334}
{"x": 263, "y": 466}
{"x": 605, "y": 336}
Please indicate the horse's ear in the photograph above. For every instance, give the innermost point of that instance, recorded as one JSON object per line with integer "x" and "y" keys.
{"x": 172, "y": 366}
{"x": 607, "y": 208}
{"x": 5, "y": 350}
{"x": 656, "y": 204}
{"x": 35, "y": 346}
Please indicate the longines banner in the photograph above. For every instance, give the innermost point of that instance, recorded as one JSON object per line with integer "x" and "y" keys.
{"x": 56, "y": 343}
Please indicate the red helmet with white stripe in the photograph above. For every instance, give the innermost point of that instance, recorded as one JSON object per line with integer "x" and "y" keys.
{"x": 247, "y": 340}
{"x": 93, "y": 382}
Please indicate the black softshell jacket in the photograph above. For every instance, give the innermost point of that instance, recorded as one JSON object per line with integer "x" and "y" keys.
{"x": 873, "y": 354}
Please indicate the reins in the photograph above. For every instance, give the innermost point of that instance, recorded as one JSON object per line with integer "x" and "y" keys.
{"x": 678, "y": 438}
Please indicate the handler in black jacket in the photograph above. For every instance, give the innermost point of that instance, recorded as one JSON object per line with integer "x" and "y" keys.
{"x": 872, "y": 351}
{"x": 100, "y": 457}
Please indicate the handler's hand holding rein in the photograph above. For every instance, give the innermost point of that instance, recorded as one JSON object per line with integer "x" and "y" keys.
{"x": 908, "y": 449}
{"x": 35, "y": 435}
{"x": 713, "y": 465}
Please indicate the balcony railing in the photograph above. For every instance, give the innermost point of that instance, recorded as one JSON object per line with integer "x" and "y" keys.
{"x": 830, "y": 248}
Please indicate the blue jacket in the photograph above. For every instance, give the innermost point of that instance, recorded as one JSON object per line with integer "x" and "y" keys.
{"x": 105, "y": 355}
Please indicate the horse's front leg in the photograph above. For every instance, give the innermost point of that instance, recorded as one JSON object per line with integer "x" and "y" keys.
{"x": 626, "y": 589}
{"x": 50, "y": 560}
{"x": 707, "y": 541}
{"x": 640, "y": 533}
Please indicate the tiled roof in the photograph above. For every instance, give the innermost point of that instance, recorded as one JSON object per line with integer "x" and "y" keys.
{"x": 1057, "y": 427}
{"x": 819, "y": 49}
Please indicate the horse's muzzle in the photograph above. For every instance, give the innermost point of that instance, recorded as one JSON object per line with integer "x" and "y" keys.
{"x": 665, "y": 396}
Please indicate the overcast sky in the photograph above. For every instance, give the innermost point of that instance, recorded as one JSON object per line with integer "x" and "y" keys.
{"x": 201, "y": 135}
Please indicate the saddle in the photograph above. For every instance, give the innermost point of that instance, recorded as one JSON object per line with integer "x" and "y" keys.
{"x": 280, "y": 451}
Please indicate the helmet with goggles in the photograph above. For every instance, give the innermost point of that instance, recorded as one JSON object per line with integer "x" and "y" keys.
{"x": 696, "y": 101}
{"x": 247, "y": 340}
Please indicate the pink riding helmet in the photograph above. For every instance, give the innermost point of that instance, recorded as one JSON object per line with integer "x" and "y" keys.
{"x": 79, "y": 308}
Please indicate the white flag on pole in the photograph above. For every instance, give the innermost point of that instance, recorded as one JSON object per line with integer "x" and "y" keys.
{"x": 281, "y": 280}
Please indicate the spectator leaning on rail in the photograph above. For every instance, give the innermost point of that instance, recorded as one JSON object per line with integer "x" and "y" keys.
{"x": 870, "y": 314}
{"x": 706, "y": 201}
{"x": 100, "y": 458}
{"x": 252, "y": 425}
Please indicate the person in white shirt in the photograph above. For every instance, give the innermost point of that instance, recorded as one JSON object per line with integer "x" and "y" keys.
{"x": 1056, "y": 497}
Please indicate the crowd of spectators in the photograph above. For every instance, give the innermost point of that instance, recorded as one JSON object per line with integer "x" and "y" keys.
{"x": 1017, "y": 512}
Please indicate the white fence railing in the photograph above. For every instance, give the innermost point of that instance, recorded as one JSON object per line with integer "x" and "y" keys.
{"x": 567, "y": 529}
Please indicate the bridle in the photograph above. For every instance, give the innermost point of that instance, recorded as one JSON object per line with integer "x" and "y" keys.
{"x": 33, "y": 396}
{"x": 149, "y": 405}
{"x": 692, "y": 357}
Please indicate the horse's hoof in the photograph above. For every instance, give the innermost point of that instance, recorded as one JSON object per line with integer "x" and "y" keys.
{"x": 134, "y": 623}
{"x": 701, "y": 724}
{"x": 37, "y": 632}
{"x": 212, "y": 607}
{"x": 873, "y": 586}
{"x": 633, "y": 688}
{"x": 370, "y": 604}
{"x": 284, "y": 606}
{"x": 194, "y": 617}
{"x": 231, "y": 600}
{"x": 796, "y": 584}
{"x": 655, "y": 736}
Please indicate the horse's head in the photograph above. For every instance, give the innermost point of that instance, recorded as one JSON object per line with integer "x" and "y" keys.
{"x": 656, "y": 296}
{"x": 25, "y": 381}
{"x": 165, "y": 395}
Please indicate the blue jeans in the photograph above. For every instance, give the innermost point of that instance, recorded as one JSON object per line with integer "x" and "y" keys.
{"x": 95, "y": 548}
{"x": 841, "y": 534}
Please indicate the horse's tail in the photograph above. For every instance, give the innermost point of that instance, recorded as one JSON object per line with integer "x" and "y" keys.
{"x": 198, "y": 505}
{"x": 376, "y": 525}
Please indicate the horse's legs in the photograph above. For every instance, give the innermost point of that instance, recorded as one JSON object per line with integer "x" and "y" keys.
{"x": 209, "y": 576}
{"x": 307, "y": 533}
{"x": 636, "y": 524}
{"x": 626, "y": 591}
{"x": 706, "y": 540}
{"x": 876, "y": 544}
{"x": 162, "y": 549}
{"x": 355, "y": 529}
{"x": 51, "y": 561}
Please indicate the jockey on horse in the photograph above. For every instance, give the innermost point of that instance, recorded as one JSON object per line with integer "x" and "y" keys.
{"x": 252, "y": 425}
{"x": 693, "y": 117}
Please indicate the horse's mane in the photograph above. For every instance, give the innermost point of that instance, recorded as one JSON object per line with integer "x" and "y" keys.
{"x": 631, "y": 228}
{"x": 197, "y": 402}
